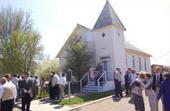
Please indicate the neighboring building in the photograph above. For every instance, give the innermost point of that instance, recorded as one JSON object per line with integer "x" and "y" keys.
{"x": 163, "y": 67}
{"x": 107, "y": 44}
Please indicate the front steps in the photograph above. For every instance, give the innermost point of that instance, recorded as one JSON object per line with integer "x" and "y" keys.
{"x": 90, "y": 87}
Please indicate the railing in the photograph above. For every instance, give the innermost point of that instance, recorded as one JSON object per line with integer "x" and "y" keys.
{"x": 98, "y": 80}
{"x": 81, "y": 80}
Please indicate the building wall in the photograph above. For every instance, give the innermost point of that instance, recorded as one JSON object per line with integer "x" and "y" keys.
{"x": 119, "y": 49}
{"x": 104, "y": 48}
{"x": 137, "y": 64}
{"x": 86, "y": 37}
{"x": 112, "y": 46}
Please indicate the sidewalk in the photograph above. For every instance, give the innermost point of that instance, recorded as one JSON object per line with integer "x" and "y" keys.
{"x": 109, "y": 104}
{"x": 106, "y": 104}
{"x": 45, "y": 105}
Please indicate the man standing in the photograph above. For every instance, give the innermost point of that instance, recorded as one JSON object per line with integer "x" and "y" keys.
{"x": 62, "y": 83}
{"x": 127, "y": 82}
{"x": 34, "y": 86}
{"x": 50, "y": 85}
{"x": 15, "y": 81}
{"x": 2, "y": 82}
{"x": 117, "y": 80}
{"x": 132, "y": 75}
{"x": 26, "y": 92}
{"x": 157, "y": 79}
{"x": 8, "y": 94}
{"x": 55, "y": 86}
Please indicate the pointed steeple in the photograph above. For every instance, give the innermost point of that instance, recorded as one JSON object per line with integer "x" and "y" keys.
{"x": 108, "y": 17}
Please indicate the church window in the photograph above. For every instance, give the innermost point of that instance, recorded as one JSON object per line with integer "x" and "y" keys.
{"x": 145, "y": 64}
{"x": 118, "y": 34}
{"x": 140, "y": 65}
{"x": 133, "y": 61}
{"x": 103, "y": 35}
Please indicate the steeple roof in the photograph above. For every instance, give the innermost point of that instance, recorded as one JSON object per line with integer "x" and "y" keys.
{"x": 108, "y": 17}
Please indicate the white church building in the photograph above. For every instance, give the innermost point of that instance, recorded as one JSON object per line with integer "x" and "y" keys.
{"x": 107, "y": 44}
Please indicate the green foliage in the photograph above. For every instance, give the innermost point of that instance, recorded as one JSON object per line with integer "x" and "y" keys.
{"x": 20, "y": 42}
{"x": 46, "y": 67}
{"x": 78, "y": 58}
{"x": 85, "y": 98}
{"x": 19, "y": 53}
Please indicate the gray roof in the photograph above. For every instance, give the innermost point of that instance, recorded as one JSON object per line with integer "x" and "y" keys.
{"x": 132, "y": 47}
{"x": 107, "y": 17}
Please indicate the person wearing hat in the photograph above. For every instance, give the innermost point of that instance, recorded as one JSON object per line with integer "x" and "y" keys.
{"x": 165, "y": 92}
{"x": 150, "y": 92}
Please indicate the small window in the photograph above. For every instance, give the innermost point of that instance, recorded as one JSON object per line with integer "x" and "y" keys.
{"x": 103, "y": 35}
{"x": 133, "y": 61}
{"x": 140, "y": 65}
{"x": 145, "y": 65}
{"x": 118, "y": 34}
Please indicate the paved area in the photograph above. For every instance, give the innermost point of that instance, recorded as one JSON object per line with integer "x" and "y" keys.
{"x": 108, "y": 104}
{"x": 45, "y": 105}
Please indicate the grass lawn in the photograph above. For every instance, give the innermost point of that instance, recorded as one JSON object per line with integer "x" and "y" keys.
{"x": 85, "y": 98}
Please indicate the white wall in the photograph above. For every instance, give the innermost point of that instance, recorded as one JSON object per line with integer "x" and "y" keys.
{"x": 130, "y": 62}
{"x": 112, "y": 45}
{"x": 104, "y": 46}
{"x": 87, "y": 37}
{"x": 119, "y": 49}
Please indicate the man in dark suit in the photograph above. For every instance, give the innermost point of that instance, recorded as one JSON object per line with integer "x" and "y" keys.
{"x": 26, "y": 92}
{"x": 127, "y": 82}
{"x": 157, "y": 79}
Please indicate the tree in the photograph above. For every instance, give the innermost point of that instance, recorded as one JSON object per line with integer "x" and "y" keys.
{"x": 20, "y": 42}
{"x": 46, "y": 67}
{"x": 14, "y": 20}
{"x": 78, "y": 58}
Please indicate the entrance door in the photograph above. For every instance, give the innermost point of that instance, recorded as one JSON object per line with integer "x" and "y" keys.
{"x": 106, "y": 63}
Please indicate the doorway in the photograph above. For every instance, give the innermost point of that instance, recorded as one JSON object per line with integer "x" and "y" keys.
{"x": 106, "y": 63}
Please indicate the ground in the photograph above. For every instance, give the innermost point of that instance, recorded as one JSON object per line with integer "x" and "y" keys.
{"x": 111, "y": 105}
{"x": 108, "y": 104}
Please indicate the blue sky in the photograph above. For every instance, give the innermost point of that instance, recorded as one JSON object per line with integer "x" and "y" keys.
{"x": 147, "y": 22}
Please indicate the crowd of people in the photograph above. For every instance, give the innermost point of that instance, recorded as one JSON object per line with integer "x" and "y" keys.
{"x": 25, "y": 88}
{"x": 156, "y": 87}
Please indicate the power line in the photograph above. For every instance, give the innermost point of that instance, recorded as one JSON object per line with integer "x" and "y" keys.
{"x": 161, "y": 55}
